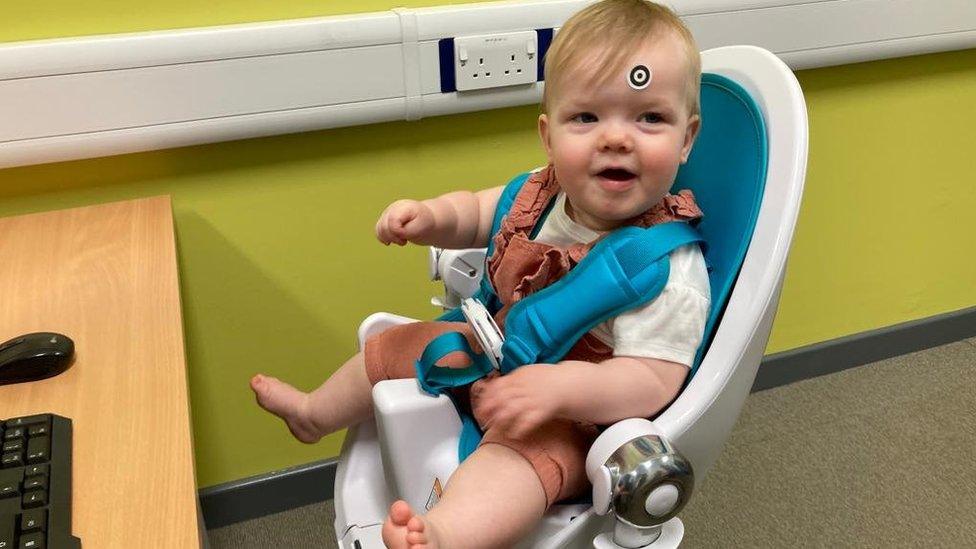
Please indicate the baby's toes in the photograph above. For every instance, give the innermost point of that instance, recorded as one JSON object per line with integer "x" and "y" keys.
{"x": 417, "y": 533}
{"x": 400, "y": 513}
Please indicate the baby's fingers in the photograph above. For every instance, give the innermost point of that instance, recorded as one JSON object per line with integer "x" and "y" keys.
{"x": 518, "y": 430}
{"x": 397, "y": 234}
{"x": 394, "y": 230}
{"x": 511, "y": 418}
{"x": 500, "y": 420}
{"x": 382, "y": 232}
{"x": 524, "y": 424}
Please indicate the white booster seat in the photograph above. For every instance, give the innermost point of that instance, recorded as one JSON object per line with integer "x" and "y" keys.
{"x": 746, "y": 170}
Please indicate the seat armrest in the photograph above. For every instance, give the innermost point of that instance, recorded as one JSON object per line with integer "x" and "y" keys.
{"x": 418, "y": 435}
{"x": 378, "y": 322}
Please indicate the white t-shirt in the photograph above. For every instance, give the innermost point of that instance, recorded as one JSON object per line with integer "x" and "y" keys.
{"x": 668, "y": 328}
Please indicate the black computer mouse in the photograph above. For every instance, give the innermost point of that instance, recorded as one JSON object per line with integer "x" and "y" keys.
{"x": 35, "y": 356}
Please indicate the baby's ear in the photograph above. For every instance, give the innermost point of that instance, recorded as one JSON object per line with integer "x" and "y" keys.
{"x": 691, "y": 133}
{"x": 544, "y": 135}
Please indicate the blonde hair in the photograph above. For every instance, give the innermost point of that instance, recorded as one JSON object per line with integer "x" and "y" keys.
{"x": 616, "y": 28}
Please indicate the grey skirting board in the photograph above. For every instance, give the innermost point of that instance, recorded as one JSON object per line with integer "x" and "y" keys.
{"x": 314, "y": 482}
{"x": 863, "y": 348}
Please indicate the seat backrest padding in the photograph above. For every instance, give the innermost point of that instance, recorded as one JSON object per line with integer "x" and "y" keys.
{"x": 727, "y": 172}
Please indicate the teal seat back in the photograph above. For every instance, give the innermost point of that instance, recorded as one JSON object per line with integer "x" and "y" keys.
{"x": 727, "y": 172}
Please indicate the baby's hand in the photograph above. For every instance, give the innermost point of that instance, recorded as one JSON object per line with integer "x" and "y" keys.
{"x": 520, "y": 401}
{"x": 404, "y": 221}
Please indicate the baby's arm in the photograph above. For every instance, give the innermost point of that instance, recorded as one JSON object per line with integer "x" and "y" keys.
{"x": 454, "y": 220}
{"x": 656, "y": 343}
{"x": 619, "y": 388}
{"x": 615, "y": 389}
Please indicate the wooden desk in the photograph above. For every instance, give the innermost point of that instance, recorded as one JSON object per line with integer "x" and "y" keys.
{"x": 106, "y": 277}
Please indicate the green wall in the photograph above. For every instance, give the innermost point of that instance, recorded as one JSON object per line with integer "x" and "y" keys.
{"x": 886, "y": 233}
{"x": 278, "y": 264}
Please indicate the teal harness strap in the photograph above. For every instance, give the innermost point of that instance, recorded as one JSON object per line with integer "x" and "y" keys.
{"x": 626, "y": 269}
{"x": 436, "y": 379}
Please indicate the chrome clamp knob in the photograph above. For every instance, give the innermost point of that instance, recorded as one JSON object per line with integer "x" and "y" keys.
{"x": 642, "y": 479}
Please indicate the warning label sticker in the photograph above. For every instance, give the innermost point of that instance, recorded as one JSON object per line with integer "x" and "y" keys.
{"x": 435, "y": 494}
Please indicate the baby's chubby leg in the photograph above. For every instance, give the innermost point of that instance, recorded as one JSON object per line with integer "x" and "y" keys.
{"x": 346, "y": 398}
{"x": 343, "y": 400}
{"x": 493, "y": 499}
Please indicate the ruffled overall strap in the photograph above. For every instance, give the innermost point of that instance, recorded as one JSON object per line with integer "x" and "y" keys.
{"x": 520, "y": 266}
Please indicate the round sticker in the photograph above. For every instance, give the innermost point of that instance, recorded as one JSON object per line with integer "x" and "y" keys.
{"x": 639, "y": 78}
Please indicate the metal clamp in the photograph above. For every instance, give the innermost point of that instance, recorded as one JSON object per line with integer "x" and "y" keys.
{"x": 638, "y": 475}
{"x": 461, "y": 272}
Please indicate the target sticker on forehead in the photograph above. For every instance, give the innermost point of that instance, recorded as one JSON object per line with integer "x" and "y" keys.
{"x": 639, "y": 77}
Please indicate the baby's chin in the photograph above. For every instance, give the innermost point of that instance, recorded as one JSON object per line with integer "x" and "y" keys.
{"x": 611, "y": 212}
{"x": 624, "y": 212}
{"x": 610, "y": 219}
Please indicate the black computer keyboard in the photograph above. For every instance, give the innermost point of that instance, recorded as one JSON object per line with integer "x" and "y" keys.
{"x": 35, "y": 483}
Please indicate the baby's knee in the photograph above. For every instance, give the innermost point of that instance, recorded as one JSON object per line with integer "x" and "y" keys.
{"x": 391, "y": 354}
{"x": 557, "y": 453}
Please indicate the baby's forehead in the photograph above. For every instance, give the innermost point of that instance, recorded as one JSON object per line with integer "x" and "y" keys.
{"x": 664, "y": 55}
{"x": 651, "y": 70}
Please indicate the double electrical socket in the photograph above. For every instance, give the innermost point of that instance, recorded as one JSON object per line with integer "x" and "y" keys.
{"x": 495, "y": 60}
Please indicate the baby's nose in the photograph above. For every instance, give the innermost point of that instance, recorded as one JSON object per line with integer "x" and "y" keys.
{"x": 616, "y": 139}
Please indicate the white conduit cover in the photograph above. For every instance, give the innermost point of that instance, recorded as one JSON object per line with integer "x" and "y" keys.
{"x": 413, "y": 102}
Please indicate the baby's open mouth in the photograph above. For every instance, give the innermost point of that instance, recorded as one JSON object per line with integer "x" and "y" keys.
{"x": 616, "y": 174}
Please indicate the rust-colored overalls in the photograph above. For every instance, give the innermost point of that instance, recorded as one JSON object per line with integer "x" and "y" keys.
{"x": 517, "y": 268}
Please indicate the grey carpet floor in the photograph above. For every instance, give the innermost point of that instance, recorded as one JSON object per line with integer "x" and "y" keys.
{"x": 876, "y": 456}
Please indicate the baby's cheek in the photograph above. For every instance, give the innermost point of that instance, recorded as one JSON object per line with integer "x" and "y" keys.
{"x": 662, "y": 158}
{"x": 568, "y": 156}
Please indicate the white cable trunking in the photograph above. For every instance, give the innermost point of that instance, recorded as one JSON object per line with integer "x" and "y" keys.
{"x": 95, "y": 96}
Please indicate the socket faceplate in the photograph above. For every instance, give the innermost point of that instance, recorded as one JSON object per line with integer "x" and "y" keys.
{"x": 495, "y": 60}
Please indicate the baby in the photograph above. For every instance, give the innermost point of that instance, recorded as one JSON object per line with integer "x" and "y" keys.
{"x": 620, "y": 114}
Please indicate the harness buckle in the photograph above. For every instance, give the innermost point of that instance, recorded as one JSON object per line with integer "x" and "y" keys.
{"x": 489, "y": 337}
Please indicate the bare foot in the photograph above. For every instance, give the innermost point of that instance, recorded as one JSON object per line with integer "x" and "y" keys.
{"x": 421, "y": 533}
{"x": 405, "y": 530}
{"x": 395, "y": 525}
{"x": 289, "y": 404}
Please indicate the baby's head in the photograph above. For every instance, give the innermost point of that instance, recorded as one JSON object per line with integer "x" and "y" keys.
{"x": 620, "y": 109}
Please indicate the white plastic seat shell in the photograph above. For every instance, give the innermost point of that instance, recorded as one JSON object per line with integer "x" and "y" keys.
{"x": 699, "y": 421}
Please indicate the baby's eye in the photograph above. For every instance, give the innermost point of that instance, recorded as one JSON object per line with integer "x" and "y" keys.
{"x": 651, "y": 117}
{"x": 585, "y": 118}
